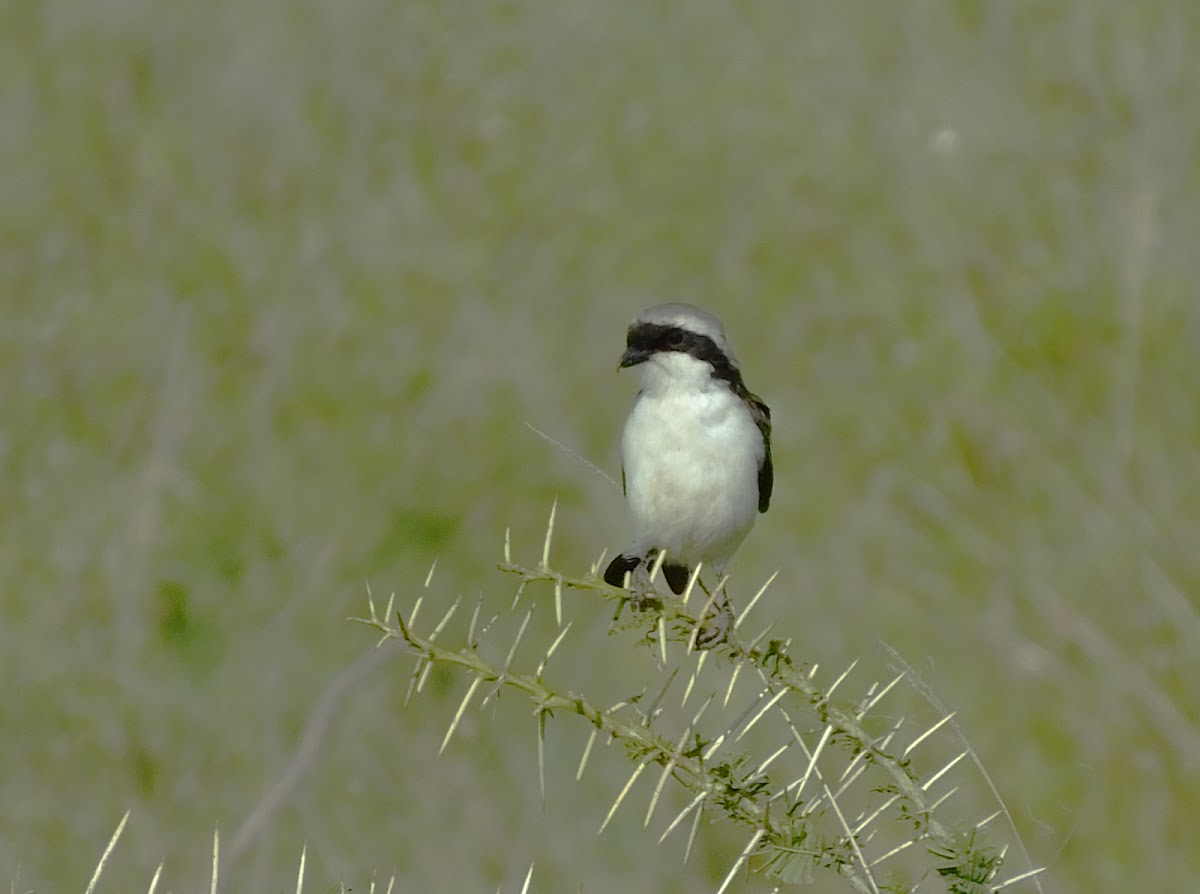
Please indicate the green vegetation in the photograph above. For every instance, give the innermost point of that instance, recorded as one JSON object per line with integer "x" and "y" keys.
{"x": 282, "y": 285}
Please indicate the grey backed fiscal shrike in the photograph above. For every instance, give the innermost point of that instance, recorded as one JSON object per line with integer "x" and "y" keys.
{"x": 696, "y": 450}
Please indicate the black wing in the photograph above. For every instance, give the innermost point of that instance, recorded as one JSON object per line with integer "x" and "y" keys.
{"x": 761, "y": 414}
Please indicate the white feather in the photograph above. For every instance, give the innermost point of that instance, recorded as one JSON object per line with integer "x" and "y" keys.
{"x": 691, "y": 453}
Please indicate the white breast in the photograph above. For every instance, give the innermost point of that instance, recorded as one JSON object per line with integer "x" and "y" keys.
{"x": 691, "y": 453}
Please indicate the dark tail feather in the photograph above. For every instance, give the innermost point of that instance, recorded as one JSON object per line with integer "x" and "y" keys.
{"x": 677, "y": 577}
{"x": 614, "y": 574}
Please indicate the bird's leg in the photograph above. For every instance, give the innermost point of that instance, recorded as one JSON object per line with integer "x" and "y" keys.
{"x": 641, "y": 587}
{"x": 716, "y": 631}
{"x": 641, "y": 583}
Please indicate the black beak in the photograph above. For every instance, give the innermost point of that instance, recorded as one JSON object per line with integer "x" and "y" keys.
{"x": 633, "y": 356}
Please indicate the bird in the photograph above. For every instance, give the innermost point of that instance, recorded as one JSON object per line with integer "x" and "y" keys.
{"x": 696, "y": 465}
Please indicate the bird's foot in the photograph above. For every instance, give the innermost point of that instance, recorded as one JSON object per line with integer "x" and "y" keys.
{"x": 642, "y": 593}
{"x": 631, "y": 573}
{"x": 715, "y": 628}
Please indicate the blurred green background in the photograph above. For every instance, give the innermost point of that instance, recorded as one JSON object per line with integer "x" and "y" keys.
{"x": 283, "y": 283}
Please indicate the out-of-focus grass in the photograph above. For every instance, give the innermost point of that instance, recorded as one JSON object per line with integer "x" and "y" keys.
{"x": 282, "y": 284}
